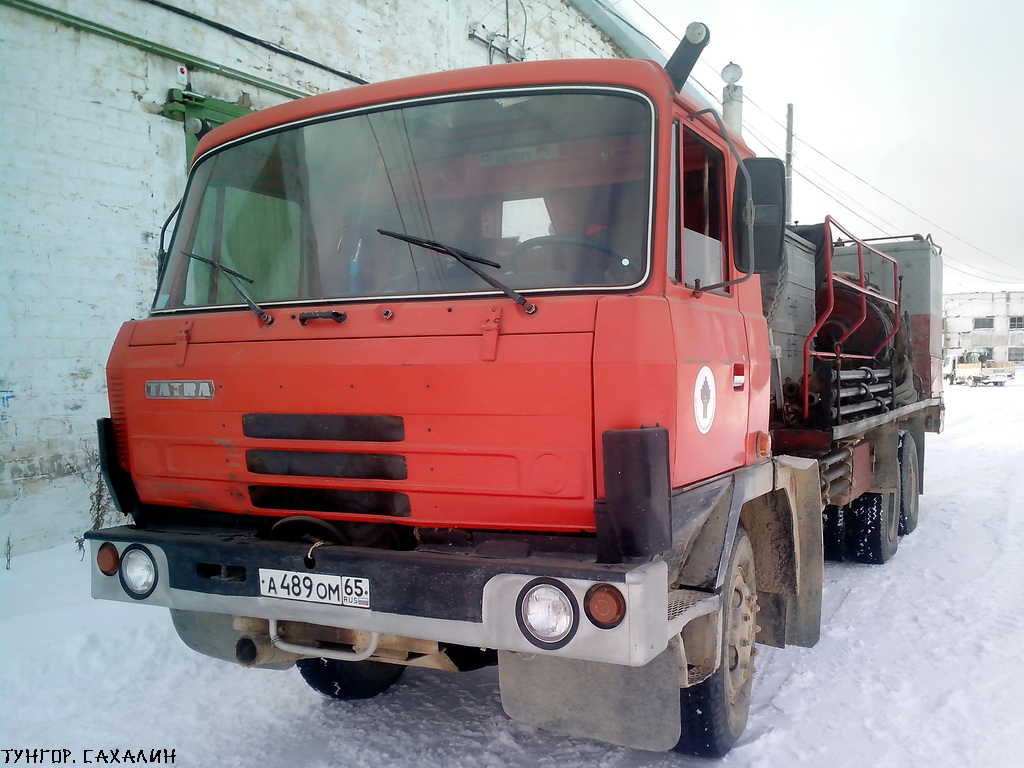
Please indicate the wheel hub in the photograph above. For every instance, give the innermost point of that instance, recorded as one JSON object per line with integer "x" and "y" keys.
{"x": 740, "y": 633}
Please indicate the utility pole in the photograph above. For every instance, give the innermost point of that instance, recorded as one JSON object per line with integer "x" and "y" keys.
{"x": 789, "y": 162}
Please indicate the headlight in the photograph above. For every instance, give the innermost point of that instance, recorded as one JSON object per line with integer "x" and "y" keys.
{"x": 138, "y": 572}
{"x": 547, "y": 613}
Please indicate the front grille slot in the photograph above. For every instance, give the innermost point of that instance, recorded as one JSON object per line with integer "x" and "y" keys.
{"x": 330, "y": 500}
{"x": 360, "y": 466}
{"x": 119, "y": 418}
{"x": 311, "y": 426}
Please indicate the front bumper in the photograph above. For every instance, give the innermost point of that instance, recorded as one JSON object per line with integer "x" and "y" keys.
{"x": 447, "y": 598}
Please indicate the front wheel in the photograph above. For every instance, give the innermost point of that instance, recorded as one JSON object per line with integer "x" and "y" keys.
{"x": 348, "y": 680}
{"x": 714, "y": 713}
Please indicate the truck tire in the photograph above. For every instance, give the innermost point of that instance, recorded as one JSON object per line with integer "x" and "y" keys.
{"x": 833, "y": 529}
{"x": 910, "y": 499}
{"x": 714, "y": 713}
{"x": 873, "y": 525}
{"x": 348, "y": 680}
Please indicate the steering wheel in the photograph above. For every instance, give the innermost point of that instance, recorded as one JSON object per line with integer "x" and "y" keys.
{"x": 619, "y": 268}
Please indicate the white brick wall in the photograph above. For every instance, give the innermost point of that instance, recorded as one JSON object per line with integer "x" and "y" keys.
{"x": 90, "y": 169}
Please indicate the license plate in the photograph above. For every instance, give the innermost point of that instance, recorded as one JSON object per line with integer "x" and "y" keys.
{"x": 350, "y": 591}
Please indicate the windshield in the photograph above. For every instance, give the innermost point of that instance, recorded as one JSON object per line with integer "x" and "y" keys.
{"x": 553, "y": 186}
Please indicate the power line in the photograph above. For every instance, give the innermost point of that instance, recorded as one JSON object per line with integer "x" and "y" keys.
{"x": 887, "y": 196}
{"x": 884, "y": 194}
{"x": 836, "y": 194}
{"x": 829, "y": 189}
{"x": 833, "y": 195}
{"x": 610, "y": 9}
{"x": 585, "y": 20}
{"x": 657, "y": 21}
{"x": 279, "y": 49}
{"x": 993, "y": 276}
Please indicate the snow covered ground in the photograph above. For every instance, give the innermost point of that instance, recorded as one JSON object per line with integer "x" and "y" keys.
{"x": 919, "y": 662}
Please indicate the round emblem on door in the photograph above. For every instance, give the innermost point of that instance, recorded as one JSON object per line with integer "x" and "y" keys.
{"x": 704, "y": 400}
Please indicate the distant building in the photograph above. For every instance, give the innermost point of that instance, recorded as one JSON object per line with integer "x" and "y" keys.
{"x": 992, "y": 323}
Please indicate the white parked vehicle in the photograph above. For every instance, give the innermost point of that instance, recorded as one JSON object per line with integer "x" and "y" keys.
{"x": 975, "y": 368}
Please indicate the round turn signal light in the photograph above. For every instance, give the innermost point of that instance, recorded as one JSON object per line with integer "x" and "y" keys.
{"x": 107, "y": 559}
{"x": 605, "y": 606}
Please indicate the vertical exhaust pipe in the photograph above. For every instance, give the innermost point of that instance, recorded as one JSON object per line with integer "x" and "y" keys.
{"x": 685, "y": 58}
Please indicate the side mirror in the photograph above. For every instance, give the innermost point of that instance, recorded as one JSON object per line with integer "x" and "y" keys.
{"x": 759, "y": 248}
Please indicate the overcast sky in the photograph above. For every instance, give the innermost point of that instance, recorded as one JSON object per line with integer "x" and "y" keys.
{"x": 922, "y": 99}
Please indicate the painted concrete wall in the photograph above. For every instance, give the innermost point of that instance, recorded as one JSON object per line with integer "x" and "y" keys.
{"x": 90, "y": 169}
{"x": 960, "y": 311}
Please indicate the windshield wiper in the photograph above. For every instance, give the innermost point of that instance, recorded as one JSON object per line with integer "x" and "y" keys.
{"x": 231, "y": 275}
{"x": 467, "y": 260}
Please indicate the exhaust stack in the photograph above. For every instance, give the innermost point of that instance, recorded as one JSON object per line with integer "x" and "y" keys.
{"x": 685, "y": 58}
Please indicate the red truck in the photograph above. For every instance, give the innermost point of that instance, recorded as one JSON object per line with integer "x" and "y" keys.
{"x": 516, "y": 365}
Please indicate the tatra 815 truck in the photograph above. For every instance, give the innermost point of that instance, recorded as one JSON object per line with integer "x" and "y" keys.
{"x": 516, "y": 365}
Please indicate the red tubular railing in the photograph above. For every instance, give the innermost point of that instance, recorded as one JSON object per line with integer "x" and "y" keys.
{"x": 862, "y": 289}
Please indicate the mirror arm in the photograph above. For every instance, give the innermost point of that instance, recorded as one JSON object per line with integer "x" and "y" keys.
{"x": 748, "y": 208}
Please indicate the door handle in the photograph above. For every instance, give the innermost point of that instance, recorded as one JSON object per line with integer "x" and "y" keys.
{"x": 739, "y": 375}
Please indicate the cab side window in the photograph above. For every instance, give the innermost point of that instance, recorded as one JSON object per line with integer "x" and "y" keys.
{"x": 702, "y": 203}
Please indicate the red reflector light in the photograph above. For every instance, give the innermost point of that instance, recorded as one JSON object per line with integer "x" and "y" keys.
{"x": 107, "y": 559}
{"x": 605, "y": 606}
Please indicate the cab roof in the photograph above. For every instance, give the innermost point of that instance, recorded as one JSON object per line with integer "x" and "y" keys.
{"x": 642, "y": 75}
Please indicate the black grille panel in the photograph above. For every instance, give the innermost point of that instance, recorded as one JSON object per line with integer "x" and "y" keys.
{"x": 330, "y": 500}
{"x": 311, "y": 426}
{"x": 361, "y": 466}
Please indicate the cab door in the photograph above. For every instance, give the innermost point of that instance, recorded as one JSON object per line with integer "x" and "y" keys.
{"x": 712, "y": 356}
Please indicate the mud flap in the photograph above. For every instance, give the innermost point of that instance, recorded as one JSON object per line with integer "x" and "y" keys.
{"x": 803, "y": 610}
{"x": 631, "y": 706}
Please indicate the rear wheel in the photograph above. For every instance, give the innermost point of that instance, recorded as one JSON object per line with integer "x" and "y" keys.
{"x": 714, "y": 713}
{"x": 833, "y": 520}
{"x": 910, "y": 499}
{"x": 874, "y": 527}
{"x": 348, "y": 680}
